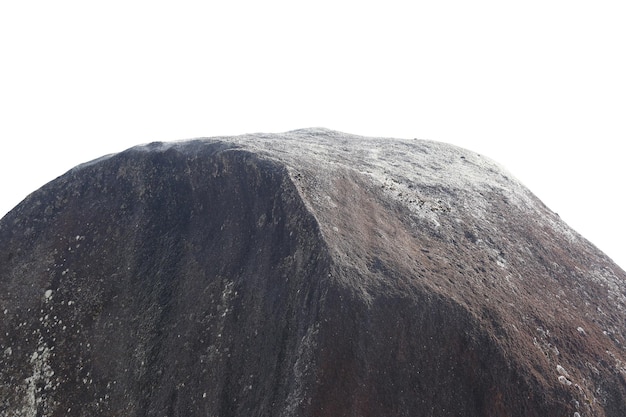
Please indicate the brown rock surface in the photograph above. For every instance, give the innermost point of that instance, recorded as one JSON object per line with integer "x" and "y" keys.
{"x": 311, "y": 273}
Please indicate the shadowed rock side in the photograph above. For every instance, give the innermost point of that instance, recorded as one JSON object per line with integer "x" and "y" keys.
{"x": 311, "y": 273}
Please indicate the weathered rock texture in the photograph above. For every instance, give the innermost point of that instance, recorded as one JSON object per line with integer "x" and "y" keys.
{"x": 311, "y": 273}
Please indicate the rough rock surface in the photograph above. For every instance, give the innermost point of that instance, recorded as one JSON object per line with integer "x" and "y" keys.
{"x": 311, "y": 273}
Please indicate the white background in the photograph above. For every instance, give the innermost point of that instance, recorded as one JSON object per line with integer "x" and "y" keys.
{"x": 539, "y": 86}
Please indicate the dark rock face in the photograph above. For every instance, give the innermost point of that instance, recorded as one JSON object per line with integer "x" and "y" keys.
{"x": 311, "y": 273}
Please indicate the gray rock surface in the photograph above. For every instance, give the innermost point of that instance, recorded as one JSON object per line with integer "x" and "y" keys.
{"x": 311, "y": 273}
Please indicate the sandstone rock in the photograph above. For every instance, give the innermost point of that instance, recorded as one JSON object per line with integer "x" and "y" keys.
{"x": 311, "y": 273}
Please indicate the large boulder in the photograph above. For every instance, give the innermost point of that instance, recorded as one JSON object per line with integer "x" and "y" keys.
{"x": 311, "y": 273}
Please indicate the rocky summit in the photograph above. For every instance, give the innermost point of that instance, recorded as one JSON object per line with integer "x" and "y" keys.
{"x": 310, "y": 273}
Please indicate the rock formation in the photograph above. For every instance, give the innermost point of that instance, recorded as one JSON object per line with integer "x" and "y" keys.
{"x": 311, "y": 273}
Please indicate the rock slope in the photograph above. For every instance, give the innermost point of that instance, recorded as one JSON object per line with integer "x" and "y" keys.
{"x": 311, "y": 273}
